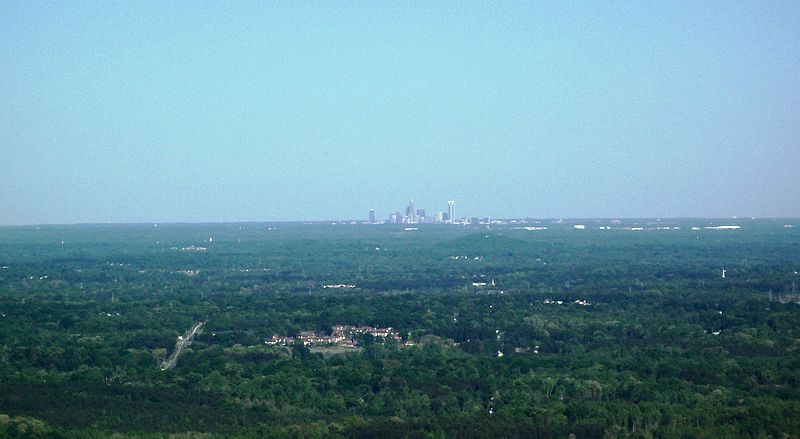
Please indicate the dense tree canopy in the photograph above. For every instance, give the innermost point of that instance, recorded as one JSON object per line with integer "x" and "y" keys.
{"x": 597, "y": 333}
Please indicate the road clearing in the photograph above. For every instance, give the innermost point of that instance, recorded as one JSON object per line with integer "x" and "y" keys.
{"x": 183, "y": 341}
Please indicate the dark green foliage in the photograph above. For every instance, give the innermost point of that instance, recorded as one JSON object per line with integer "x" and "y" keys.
{"x": 85, "y": 325}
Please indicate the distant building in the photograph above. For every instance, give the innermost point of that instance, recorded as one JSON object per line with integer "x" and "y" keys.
{"x": 439, "y": 217}
{"x": 451, "y": 211}
{"x": 411, "y": 212}
{"x": 372, "y": 216}
{"x": 341, "y": 335}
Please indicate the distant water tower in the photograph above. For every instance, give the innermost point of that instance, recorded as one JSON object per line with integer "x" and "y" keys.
{"x": 451, "y": 211}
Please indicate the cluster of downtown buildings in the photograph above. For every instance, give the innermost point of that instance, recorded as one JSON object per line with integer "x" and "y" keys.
{"x": 418, "y": 216}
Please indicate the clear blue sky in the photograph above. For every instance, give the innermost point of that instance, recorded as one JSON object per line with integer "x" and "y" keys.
{"x": 144, "y": 111}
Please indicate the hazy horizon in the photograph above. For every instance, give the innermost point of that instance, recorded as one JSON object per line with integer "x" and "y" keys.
{"x": 363, "y": 221}
{"x": 199, "y": 113}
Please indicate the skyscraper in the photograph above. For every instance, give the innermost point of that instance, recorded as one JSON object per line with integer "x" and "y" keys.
{"x": 372, "y": 216}
{"x": 411, "y": 212}
{"x": 451, "y": 212}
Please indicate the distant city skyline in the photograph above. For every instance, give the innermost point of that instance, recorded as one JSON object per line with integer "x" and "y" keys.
{"x": 442, "y": 213}
{"x": 414, "y": 215}
{"x": 262, "y": 111}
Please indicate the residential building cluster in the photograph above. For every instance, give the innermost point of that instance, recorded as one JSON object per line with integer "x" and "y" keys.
{"x": 341, "y": 335}
{"x": 191, "y": 248}
{"x": 580, "y": 302}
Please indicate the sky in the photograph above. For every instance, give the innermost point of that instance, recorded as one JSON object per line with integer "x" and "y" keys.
{"x": 274, "y": 111}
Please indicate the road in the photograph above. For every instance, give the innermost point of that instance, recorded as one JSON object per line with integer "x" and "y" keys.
{"x": 183, "y": 341}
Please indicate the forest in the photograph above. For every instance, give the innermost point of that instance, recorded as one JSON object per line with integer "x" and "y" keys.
{"x": 618, "y": 329}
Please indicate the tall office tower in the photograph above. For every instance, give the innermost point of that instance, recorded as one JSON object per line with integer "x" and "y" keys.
{"x": 421, "y": 215}
{"x": 412, "y": 212}
{"x": 451, "y": 211}
{"x": 372, "y": 216}
{"x": 438, "y": 217}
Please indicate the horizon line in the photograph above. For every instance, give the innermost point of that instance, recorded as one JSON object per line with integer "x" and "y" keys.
{"x": 362, "y": 221}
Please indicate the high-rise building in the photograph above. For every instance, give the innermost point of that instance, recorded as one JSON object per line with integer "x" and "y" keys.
{"x": 411, "y": 212}
{"x": 439, "y": 217}
{"x": 451, "y": 211}
{"x": 372, "y": 216}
